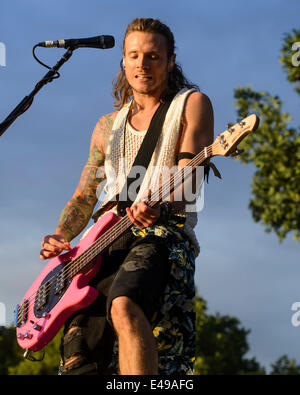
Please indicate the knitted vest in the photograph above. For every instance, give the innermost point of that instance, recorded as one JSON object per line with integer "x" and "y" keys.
{"x": 117, "y": 169}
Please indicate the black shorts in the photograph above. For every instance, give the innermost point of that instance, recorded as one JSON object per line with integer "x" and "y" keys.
{"x": 135, "y": 267}
{"x": 143, "y": 274}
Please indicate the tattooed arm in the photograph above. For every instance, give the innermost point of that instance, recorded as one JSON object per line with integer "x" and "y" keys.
{"x": 77, "y": 212}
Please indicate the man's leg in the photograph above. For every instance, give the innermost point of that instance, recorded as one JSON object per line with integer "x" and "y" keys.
{"x": 77, "y": 363}
{"x": 133, "y": 299}
{"x": 137, "y": 345}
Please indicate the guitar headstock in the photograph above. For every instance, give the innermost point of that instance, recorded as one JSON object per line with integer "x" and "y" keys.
{"x": 226, "y": 142}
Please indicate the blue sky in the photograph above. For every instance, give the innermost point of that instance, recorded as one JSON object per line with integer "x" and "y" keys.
{"x": 241, "y": 271}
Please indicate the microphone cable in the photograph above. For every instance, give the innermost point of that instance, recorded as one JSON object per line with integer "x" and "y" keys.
{"x": 57, "y": 74}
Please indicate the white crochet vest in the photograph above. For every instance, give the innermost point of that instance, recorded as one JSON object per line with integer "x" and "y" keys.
{"x": 116, "y": 169}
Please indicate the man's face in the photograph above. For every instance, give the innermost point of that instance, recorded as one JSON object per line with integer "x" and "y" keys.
{"x": 146, "y": 62}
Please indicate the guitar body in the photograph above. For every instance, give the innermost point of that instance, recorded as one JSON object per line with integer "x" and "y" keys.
{"x": 48, "y": 304}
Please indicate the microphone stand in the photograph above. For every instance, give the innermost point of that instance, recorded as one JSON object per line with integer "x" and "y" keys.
{"x": 27, "y": 101}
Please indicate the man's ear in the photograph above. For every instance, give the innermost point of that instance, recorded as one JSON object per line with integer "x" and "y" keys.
{"x": 171, "y": 63}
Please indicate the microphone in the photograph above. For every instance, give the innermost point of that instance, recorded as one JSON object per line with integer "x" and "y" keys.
{"x": 102, "y": 42}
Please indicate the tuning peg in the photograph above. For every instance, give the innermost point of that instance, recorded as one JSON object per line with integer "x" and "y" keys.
{"x": 241, "y": 122}
{"x": 237, "y": 152}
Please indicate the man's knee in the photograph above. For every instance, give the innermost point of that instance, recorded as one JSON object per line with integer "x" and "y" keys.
{"x": 124, "y": 313}
{"x": 72, "y": 357}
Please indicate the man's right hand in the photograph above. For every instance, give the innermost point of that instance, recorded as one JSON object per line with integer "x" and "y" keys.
{"x": 53, "y": 245}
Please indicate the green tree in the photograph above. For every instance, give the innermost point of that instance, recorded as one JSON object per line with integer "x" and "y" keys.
{"x": 221, "y": 345}
{"x": 274, "y": 150}
{"x": 13, "y": 363}
{"x": 9, "y": 352}
{"x": 285, "y": 366}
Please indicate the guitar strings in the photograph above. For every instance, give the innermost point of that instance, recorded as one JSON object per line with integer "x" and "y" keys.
{"x": 100, "y": 243}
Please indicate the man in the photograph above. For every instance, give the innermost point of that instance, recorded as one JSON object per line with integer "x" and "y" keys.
{"x": 146, "y": 282}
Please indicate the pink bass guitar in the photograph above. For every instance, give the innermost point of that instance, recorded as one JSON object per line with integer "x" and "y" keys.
{"x": 62, "y": 288}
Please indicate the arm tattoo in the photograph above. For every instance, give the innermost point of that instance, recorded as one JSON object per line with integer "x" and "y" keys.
{"x": 77, "y": 212}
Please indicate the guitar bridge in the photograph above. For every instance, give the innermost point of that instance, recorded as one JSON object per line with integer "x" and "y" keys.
{"x": 21, "y": 313}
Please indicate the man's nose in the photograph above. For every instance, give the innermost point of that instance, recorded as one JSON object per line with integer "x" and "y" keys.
{"x": 143, "y": 61}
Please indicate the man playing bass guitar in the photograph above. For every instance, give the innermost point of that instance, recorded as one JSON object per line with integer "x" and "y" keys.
{"x": 145, "y": 311}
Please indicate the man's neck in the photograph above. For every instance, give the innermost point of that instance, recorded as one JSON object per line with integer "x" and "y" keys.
{"x": 142, "y": 111}
{"x": 145, "y": 103}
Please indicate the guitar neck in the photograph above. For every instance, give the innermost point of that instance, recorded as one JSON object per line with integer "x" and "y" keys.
{"x": 103, "y": 242}
{"x": 175, "y": 180}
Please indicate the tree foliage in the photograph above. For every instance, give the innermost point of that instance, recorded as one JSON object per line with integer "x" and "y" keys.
{"x": 274, "y": 150}
{"x": 9, "y": 350}
{"x": 285, "y": 367}
{"x": 13, "y": 363}
{"x": 221, "y": 345}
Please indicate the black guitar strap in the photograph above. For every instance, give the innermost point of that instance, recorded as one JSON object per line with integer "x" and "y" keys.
{"x": 144, "y": 155}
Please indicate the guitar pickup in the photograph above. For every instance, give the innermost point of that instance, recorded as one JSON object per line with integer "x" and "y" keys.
{"x": 60, "y": 282}
{"x": 42, "y": 295}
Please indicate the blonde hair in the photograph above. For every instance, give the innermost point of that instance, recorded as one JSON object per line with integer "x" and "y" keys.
{"x": 122, "y": 91}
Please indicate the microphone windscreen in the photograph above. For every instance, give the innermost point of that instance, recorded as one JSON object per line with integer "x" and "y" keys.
{"x": 107, "y": 41}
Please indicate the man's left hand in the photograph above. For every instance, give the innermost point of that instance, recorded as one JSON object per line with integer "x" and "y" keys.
{"x": 142, "y": 215}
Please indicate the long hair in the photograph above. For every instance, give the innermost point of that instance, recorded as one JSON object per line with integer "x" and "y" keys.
{"x": 122, "y": 91}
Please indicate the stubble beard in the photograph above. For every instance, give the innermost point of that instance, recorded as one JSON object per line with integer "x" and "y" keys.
{"x": 152, "y": 90}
